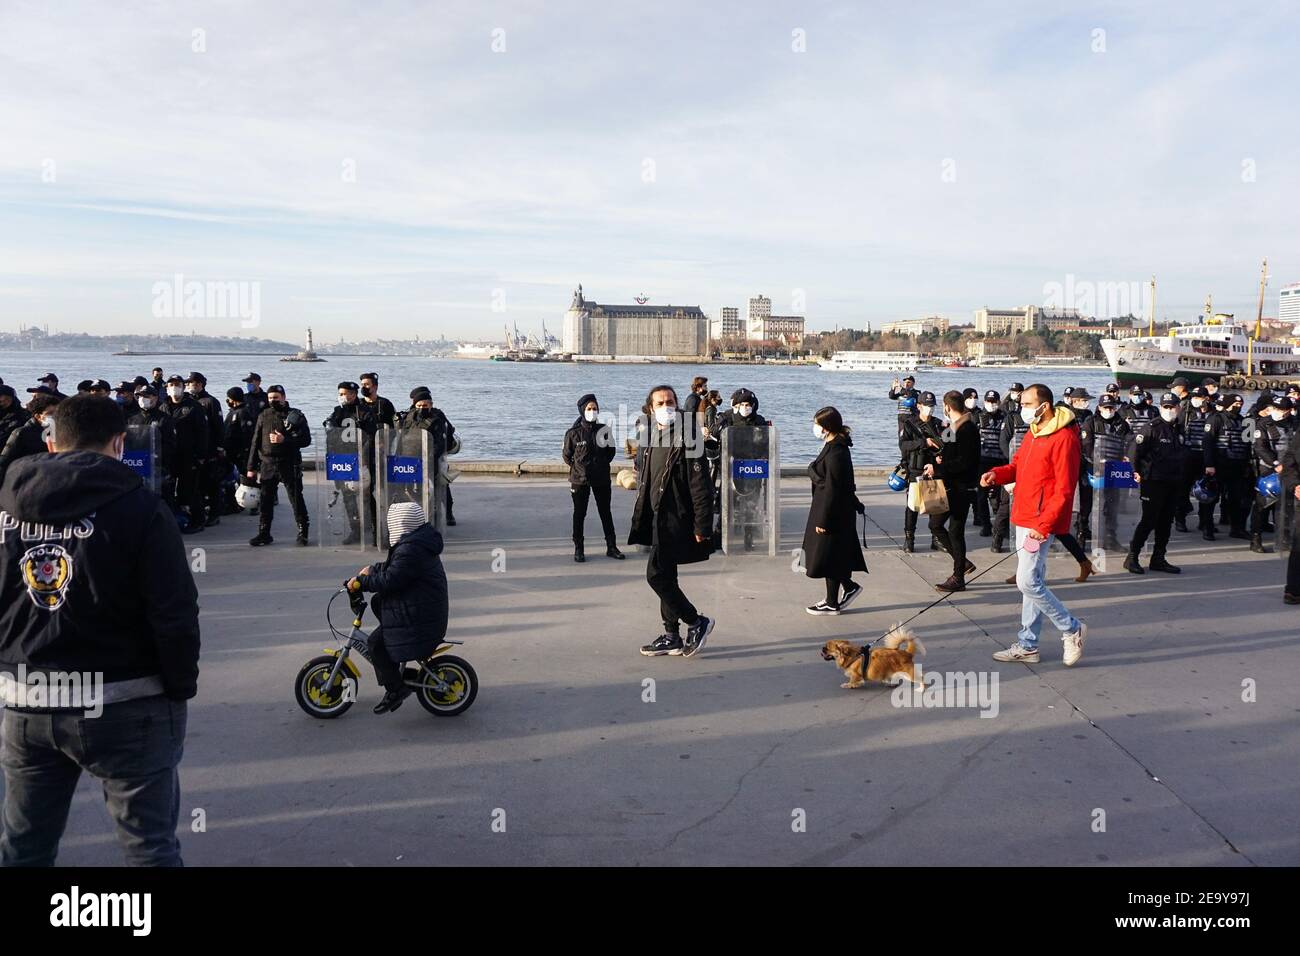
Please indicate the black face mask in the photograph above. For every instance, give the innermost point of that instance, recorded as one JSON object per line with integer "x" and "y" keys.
{"x": 367, "y": 391}
{"x": 279, "y": 403}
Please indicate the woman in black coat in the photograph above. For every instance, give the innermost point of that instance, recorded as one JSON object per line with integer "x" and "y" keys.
{"x": 830, "y": 540}
{"x": 410, "y": 602}
{"x": 958, "y": 464}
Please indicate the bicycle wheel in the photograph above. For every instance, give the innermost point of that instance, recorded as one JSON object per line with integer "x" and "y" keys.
{"x": 315, "y": 697}
{"x": 459, "y": 694}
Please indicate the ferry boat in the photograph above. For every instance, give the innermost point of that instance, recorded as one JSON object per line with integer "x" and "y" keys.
{"x": 1217, "y": 347}
{"x": 874, "y": 362}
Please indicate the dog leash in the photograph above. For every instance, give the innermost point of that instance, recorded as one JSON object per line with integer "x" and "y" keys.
{"x": 939, "y": 600}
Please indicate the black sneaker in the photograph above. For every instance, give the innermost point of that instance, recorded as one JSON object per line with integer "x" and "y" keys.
{"x": 821, "y": 608}
{"x": 302, "y": 537}
{"x": 1160, "y": 564}
{"x": 696, "y": 635}
{"x": 663, "y": 644}
{"x": 850, "y": 595}
{"x": 261, "y": 539}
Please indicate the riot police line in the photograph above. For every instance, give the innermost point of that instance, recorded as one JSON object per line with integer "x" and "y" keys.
{"x": 207, "y": 462}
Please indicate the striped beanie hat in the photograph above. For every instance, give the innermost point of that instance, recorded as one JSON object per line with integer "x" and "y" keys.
{"x": 404, "y": 516}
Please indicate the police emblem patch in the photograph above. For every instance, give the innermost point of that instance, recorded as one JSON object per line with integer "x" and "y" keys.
{"x": 46, "y": 570}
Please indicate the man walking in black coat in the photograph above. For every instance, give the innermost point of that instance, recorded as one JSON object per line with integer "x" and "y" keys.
{"x": 673, "y": 515}
{"x": 97, "y": 586}
{"x": 588, "y": 450}
{"x": 275, "y": 451}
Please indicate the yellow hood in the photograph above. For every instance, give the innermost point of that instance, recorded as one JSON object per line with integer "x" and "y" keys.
{"x": 1060, "y": 417}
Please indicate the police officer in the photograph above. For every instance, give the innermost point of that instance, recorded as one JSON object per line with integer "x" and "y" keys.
{"x": 274, "y": 457}
{"x": 158, "y": 383}
{"x": 351, "y": 409}
{"x": 1014, "y": 430}
{"x": 920, "y": 439}
{"x": 12, "y": 414}
{"x": 1227, "y": 456}
{"x": 124, "y": 395}
{"x": 1271, "y": 439}
{"x": 744, "y": 414}
{"x": 901, "y": 391}
{"x": 1158, "y": 466}
{"x": 51, "y": 383}
{"x": 255, "y": 397}
{"x": 152, "y": 413}
{"x": 588, "y": 450}
{"x": 1179, "y": 387}
{"x": 212, "y": 465}
{"x": 1079, "y": 399}
{"x": 1211, "y": 386}
{"x": 970, "y": 399}
{"x": 1194, "y": 419}
{"x": 1138, "y": 412}
{"x": 238, "y": 427}
{"x": 423, "y": 416}
{"x": 193, "y": 432}
{"x": 1110, "y": 442}
{"x": 382, "y": 408}
{"x": 989, "y": 421}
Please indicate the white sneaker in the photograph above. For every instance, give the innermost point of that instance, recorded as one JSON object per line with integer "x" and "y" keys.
{"x": 850, "y": 596}
{"x": 1017, "y": 654}
{"x": 1074, "y": 645}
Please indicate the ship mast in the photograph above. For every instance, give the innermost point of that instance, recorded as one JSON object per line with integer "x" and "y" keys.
{"x": 1151, "y": 316}
{"x": 1259, "y": 314}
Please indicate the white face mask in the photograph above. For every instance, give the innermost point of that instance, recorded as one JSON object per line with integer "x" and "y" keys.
{"x": 1107, "y": 413}
{"x": 990, "y": 406}
{"x": 146, "y": 403}
{"x": 1014, "y": 396}
{"x": 175, "y": 391}
{"x": 192, "y": 389}
{"x": 664, "y": 414}
{"x": 1134, "y": 399}
{"x": 818, "y": 431}
{"x": 1169, "y": 414}
{"x": 924, "y": 410}
{"x": 970, "y": 403}
{"x": 744, "y": 411}
{"x": 1029, "y": 415}
{"x": 1197, "y": 402}
{"x": 589, "y": 414}
{"x": 1277, "y": 416}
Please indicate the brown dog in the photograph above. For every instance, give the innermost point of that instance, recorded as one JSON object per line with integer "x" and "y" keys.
{"x": 895, "y": 655}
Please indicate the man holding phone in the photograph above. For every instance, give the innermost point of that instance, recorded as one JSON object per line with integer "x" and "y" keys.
{"x": 1045, "y": 471}
{"x": 275, "y": 457}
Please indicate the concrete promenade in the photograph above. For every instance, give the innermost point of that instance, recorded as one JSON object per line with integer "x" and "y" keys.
{"x": 753, "y": 735}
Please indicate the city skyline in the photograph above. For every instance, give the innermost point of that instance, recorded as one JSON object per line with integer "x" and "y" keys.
{"x": 464, "y": 169}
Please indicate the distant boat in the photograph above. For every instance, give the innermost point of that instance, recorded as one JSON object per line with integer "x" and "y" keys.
{"x": 306, "y": 355}
{"x": 874, "y": 362}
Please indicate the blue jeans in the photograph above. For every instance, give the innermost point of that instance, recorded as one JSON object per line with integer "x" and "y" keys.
{"x": 132, "y": 748}
{"x": 1039, "y": 602}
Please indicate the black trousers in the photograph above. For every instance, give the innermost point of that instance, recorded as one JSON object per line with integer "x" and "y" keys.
{"x": 1258, "y": 511}
{"x": 985, "y": 502}
{"x": 581, "y": 495}
{"x": 1293, "y": 573}
{"x": 1236, "y": 486}
{"x": 674, "y": 607}
{"x": 387, "y": 671}
{"x": 950, "y": 529}
{"x": 290, "y": 475}
{"x": 352, "y": 507}
{"x": 189, "y": 491}
{"x": 1193, "y": 471}
{"x": 1159, "y": 500}
{"x": 1002, "y": 516}
{"x": 1083, "y": 522}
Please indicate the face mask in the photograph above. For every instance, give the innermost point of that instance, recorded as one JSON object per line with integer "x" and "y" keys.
{"x": 818, "y": 432}
{"x": 1080, "y": 406}
{"x": 589, "y": 415}
{"x": 191, "y": 389}
{"x": 279, "y": 402}
{"x": 744, "y": 411}
{"x": 1277, "y": 416}
{"x": 924, "y": 410}
{"x": 367, "y": 391}
{"x": 1135, "y": 399}
{"x": 970, "y": 403}
{"x": 146, "y": 403}
{"x": 1197, "y": 402}
{"x": 1014, "y": 396}
{"x": 120, "y": 399}
{"x": 1028, "y": 415}
{"x": 1107, "y": 413}
{"x": 1169, "y": 414}
{"x": 248, "y": 387}
{"x": 664, "y": 414}
{"x": 175, "y": 391}
{"x": 990, "y": 407}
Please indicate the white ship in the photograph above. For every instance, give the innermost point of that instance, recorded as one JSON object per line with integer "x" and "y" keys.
{"x": 1215, "y": 348}
{"x": 874, "y": 362}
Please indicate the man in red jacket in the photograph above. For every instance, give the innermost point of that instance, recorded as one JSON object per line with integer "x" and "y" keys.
{"x": 1045, "y": 472}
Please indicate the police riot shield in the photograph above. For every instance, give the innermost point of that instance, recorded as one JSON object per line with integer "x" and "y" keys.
{"x": 140, "y": 453}
{"x": 407, "y": 469}
{"x": 1284, "y": 520}
{"x": 345, "y": 504}
{"x": 1115, "y": 504}
{"x": 750, "y": 473}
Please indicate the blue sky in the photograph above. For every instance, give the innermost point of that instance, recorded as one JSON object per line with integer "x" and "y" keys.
{"x": 919, "y": 159}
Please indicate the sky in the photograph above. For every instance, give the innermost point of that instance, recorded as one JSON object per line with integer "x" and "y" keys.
{"x": 394, "y": 169}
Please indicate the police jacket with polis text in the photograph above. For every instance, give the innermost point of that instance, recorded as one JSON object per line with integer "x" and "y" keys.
{"x": 93, "y": 575}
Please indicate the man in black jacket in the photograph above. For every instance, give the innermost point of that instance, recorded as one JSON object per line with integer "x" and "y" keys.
{"x": 215, "y": 462}
{"x": 1158, "y": 468}
{"x": 275, "y": 457}
{"x": 380, "y": 407}
{"x": 255, "y": 397}
{"x": 237, "y": 428}
{"x": 352, "y": 413}
{"x": 588, "y": 450}
{"x": 96, "y": 595}
{"x": 958, "y": 464}
{"x": 906, "y": 395}
{"x": 673, "y": 515}
{"x": 1226, "y": 454}
{"x": 989, "y": 420}
{"x": 193, "y": 433}
{"x": 151, "y": 413}
{"x": 919, "y": 439}
{"x": 29, "y": 438}
{"x": 12, "y": 413}
{"x": 746, "y": 491}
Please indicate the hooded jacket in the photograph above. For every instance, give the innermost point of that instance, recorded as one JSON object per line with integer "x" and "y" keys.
{"x": 412, "y": 589}
{"x": 588, "y": 450}
{"x": 94, "y": 577}
{"x": 1045, "y": 471}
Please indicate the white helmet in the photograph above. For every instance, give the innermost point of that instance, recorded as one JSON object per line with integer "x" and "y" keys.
{"x": 246, "y": 496}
